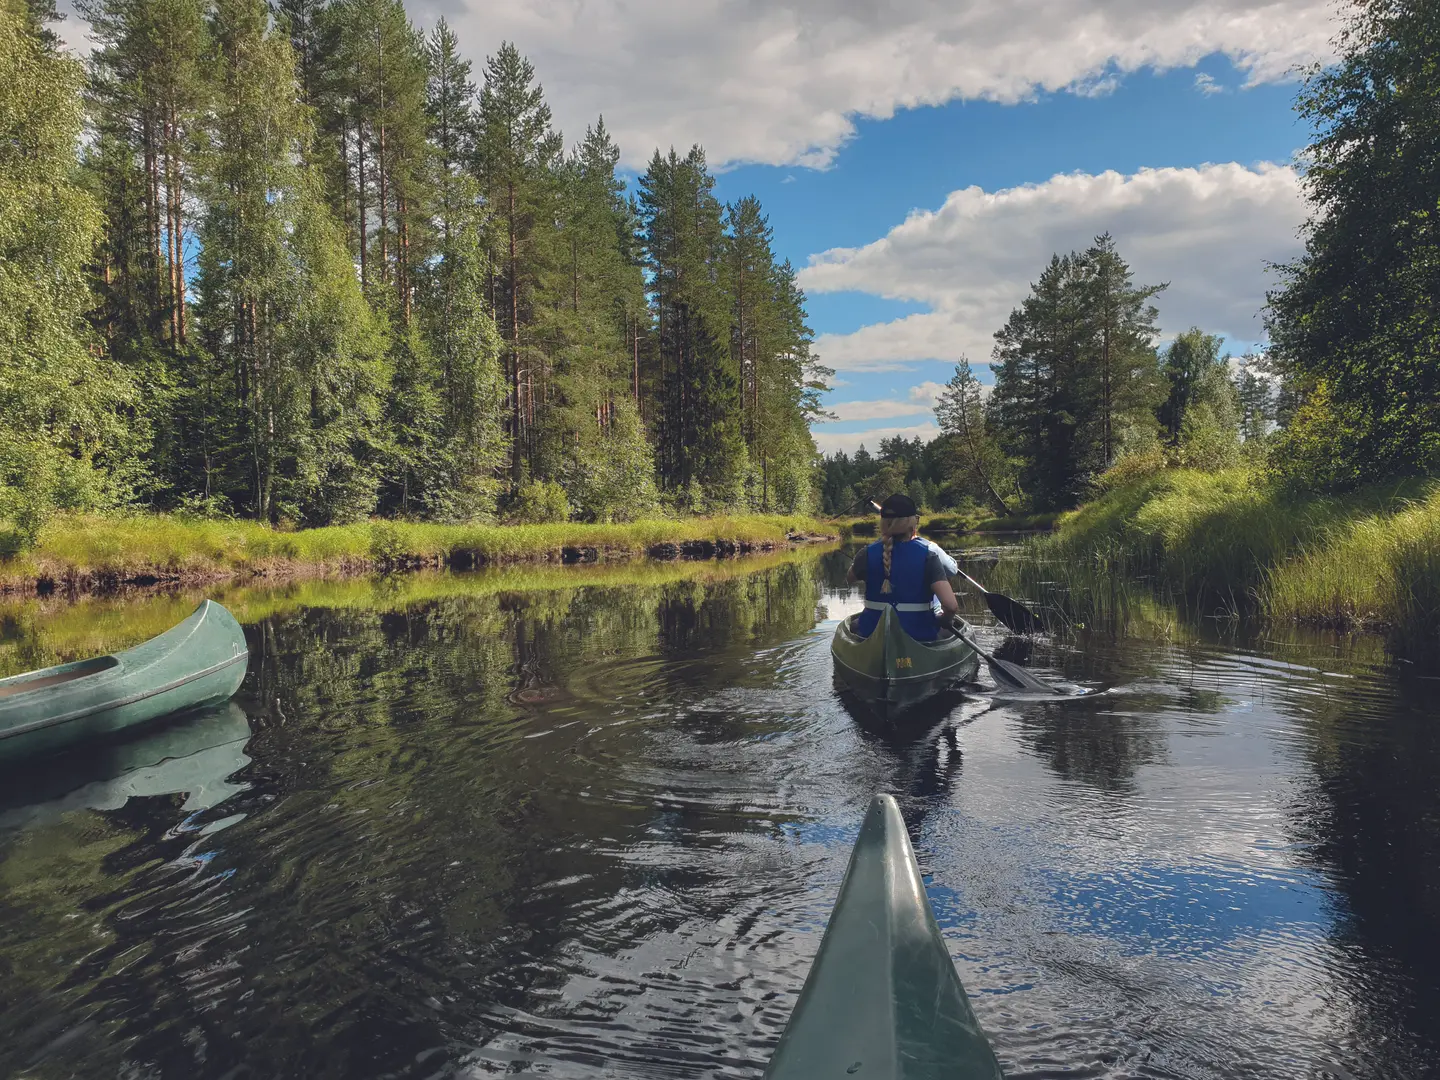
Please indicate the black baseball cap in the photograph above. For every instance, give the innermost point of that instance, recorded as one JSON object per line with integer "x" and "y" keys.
{"x": 899, "y": 506}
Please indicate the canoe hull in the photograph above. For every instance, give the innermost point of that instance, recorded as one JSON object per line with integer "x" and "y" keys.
{"x": 891, "y": 671}
{"x": 883, "y": 1000}
{"x": 201, "y": 661}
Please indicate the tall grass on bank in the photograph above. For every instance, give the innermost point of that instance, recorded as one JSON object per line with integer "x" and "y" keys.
{"x": 136, "y": 545}
{"x": 1382, "y": 570}
{"x": 1367, "y": 559}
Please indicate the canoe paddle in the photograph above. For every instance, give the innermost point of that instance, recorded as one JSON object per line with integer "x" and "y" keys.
{"x": 1011, "y": 612}
{"x": 1006, "y": 674}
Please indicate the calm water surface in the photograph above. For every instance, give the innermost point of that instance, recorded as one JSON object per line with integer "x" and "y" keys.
{"x": 592, "y": 826}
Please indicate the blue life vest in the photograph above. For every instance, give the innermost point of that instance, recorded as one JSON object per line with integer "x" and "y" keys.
{"x": 909, "y": 593}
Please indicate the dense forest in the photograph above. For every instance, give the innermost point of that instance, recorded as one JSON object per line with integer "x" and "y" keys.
{"x": 1347, "y": 394}
{"x": 300, "y": 263}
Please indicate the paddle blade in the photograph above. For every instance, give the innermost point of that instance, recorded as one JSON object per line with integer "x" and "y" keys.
{"x": 1014, "y": 614}
{"x": 1013, "y": 677}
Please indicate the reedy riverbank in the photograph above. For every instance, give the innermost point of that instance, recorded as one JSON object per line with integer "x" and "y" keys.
{"x": 83, "y": 553}
{"x": 1241, "y": 543}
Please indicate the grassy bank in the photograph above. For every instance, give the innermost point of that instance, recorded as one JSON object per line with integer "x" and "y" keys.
{"x": 98, "y": 551}
{"x": 1370, "y": 559}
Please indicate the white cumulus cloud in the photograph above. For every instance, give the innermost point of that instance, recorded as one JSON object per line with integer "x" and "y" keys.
{"x": 783, "y": 82}
{"x": 1210, "y": 232}
{"x": 920, "y": 398}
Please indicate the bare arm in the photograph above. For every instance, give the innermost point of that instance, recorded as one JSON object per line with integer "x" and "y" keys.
{"x": 948, "y": 604}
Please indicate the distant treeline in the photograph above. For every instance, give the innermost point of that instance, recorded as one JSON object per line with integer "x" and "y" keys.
{"x": 304, "y": 269}
{"x": 1347, "y": 395}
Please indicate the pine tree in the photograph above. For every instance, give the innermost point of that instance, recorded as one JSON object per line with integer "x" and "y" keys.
{"x": 283, "y": 313}
{"x": 977, "y": 459}
{"x": 780, "y": 381}
{"x": 148, "y": 91}
{"x": 469, "y": 386}
{"x": 450, "y": 111}
{"x": 1122, "y": 350}
{"x": 1076, "y": 375}
{"x": 1038, "y": 399}
{"x": 590, "y": 312}
{"x": 514, "y": 157}
{"x": 701, "y": 445}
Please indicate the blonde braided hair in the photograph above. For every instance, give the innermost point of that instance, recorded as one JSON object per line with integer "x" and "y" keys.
{"x": 889, "y": 529}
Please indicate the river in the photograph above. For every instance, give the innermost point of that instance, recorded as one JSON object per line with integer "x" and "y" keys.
{"x": 590, "y": 822}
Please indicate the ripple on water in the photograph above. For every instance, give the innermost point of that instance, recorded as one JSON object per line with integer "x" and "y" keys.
{"x": 599, "y": 833}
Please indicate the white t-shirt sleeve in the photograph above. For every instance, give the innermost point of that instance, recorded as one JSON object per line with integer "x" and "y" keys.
{"x": 946, "y": 560}
{"x": 950, "y": 566}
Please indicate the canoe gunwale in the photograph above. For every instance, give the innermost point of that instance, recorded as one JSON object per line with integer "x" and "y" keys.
{"x": 116, "y": 703}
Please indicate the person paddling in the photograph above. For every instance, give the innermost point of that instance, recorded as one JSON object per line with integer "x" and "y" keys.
{"x": 903, "y": 572}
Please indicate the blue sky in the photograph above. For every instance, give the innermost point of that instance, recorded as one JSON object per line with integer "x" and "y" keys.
{"x": 915, "y": 159}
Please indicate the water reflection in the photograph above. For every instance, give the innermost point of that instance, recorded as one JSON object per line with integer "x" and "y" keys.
{"x": 593, "y": 826}
{"x": 193, "y": 756}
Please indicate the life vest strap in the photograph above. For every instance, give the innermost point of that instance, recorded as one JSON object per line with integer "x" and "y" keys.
{"x": 881, "y": 605}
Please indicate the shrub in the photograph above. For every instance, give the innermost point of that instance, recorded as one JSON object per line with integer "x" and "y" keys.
{"x": 540, "y": 503}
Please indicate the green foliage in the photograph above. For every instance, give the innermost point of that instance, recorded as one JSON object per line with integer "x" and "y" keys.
{"x": 610, "y": 473}
{"x": 1356, "y": 314}
{"x": 1186, "y": 365}
{"x": 61, "y": 406}
{"x": 1210, "y": 430}
{"x": 540, "y": 502}
{"x": 1238, "y": 540}
{"x": 1133, "y": 467}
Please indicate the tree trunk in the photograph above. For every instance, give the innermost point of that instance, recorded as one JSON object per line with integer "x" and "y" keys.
{"x": 516, "y": 428}
{"x": 382, "y": 166}
{"x": 360, "y": 180}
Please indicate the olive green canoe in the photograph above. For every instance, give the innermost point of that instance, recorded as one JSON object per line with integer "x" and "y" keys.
{"x": 883, "y": 1000}
{"x": 891, "y": 671}
{"x": 200, "y": 661}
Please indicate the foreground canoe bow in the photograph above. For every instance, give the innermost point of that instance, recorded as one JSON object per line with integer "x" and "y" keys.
{"x": 200, "y": 661}
{"x": 883, "y": 1000}
{"x": 891, "y": 671}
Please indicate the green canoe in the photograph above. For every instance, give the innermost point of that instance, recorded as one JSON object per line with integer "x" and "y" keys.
{"x": 883, "y": 1000}
{"x": 891, "y": 671}
{"x": 199, "y": 662}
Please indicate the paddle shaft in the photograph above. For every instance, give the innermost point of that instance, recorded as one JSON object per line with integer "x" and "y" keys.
{"x": 1002, "y": 670}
